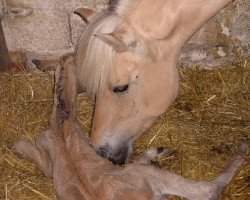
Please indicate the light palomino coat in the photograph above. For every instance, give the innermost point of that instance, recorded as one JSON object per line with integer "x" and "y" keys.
{"x": 63, "y": 153}
{"x": 126, "y": 59}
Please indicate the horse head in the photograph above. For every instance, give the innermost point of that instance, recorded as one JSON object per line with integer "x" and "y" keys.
{"x": 126, "y": 60}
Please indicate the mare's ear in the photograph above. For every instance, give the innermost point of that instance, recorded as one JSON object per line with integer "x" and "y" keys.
{"x": 114, "y": 40}
{"x": 85, "y": 13}
{"x": 174, "y": 19}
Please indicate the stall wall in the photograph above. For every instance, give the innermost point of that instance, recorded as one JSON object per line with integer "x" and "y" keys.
{"x": 48, "y": 28}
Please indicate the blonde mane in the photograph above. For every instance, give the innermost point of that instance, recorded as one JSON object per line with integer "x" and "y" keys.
{"x": 95, "y": 58}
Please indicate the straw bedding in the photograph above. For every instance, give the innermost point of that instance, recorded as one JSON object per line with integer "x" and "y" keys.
{"x": 200, "y": 130}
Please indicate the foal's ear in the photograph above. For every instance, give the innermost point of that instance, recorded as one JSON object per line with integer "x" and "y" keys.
{"x": 85, "y": 13}
{"x": 46, "y": 65}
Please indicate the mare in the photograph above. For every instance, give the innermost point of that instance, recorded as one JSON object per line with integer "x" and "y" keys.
{"x": 126, "y": 59}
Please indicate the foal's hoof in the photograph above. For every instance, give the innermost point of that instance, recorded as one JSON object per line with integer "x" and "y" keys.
{"x": 150, "y": 155}
{"x": 242, "y": 148}
{"x": 20, "y": 147}
{"x": 154, "y": 153}
{"x": 161, "y": 151}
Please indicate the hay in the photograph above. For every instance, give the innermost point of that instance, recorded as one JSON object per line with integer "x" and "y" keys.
{"x": 211, "y": 113}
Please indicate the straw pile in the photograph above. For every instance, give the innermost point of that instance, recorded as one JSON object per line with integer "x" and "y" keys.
{"x": 211, "y": 113}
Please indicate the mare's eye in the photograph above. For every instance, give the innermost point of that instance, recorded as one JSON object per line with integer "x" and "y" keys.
{"x": 120, "y": 89}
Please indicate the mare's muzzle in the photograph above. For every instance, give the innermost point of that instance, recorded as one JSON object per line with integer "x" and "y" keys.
{"x": 115, "y": 155}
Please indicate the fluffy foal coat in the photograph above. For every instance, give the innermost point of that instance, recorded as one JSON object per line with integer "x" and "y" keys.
{"x": 63, "y": 153}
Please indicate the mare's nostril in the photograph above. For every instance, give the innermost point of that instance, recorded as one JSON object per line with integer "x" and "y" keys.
{"x": 102, "y": 152}
{"x": 116, "y": 156}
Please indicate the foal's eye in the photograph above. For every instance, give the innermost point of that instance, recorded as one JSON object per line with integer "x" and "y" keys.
{"x": 120, "y": 89}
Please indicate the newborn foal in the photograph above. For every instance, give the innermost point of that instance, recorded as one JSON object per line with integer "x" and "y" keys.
{"x": 63, "y": 153}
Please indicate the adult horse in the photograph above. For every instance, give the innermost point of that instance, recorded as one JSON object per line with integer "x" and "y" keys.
{"x": 126, "y": 59}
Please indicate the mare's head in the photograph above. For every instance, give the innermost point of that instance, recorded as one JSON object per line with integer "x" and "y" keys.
{"x": 126, "y": 60}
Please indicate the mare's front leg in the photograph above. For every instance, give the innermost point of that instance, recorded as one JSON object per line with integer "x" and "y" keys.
{"x": 38, "y": 154}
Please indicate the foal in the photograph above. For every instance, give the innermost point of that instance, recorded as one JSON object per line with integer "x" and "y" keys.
{"x": 63, "y": 153}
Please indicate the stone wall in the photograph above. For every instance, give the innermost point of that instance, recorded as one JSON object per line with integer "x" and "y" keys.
{"x": 43, "y": 28}
{"x": 48, "y": 28}
{"x": 225, "y": 38}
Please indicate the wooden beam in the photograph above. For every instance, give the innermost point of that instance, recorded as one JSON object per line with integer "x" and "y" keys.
{"x": 4, "y": 53}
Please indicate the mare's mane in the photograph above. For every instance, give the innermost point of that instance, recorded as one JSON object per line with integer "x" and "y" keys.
{"x": 96, "y": 59}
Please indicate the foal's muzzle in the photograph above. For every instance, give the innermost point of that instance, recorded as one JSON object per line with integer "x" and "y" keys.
{"x": 115, "y": 155}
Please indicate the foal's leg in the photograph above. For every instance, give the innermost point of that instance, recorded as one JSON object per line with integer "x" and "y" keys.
{"x": 150, "y": 155}
{"x": 164, "y": 183}
{"x": 38, "y": 154}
